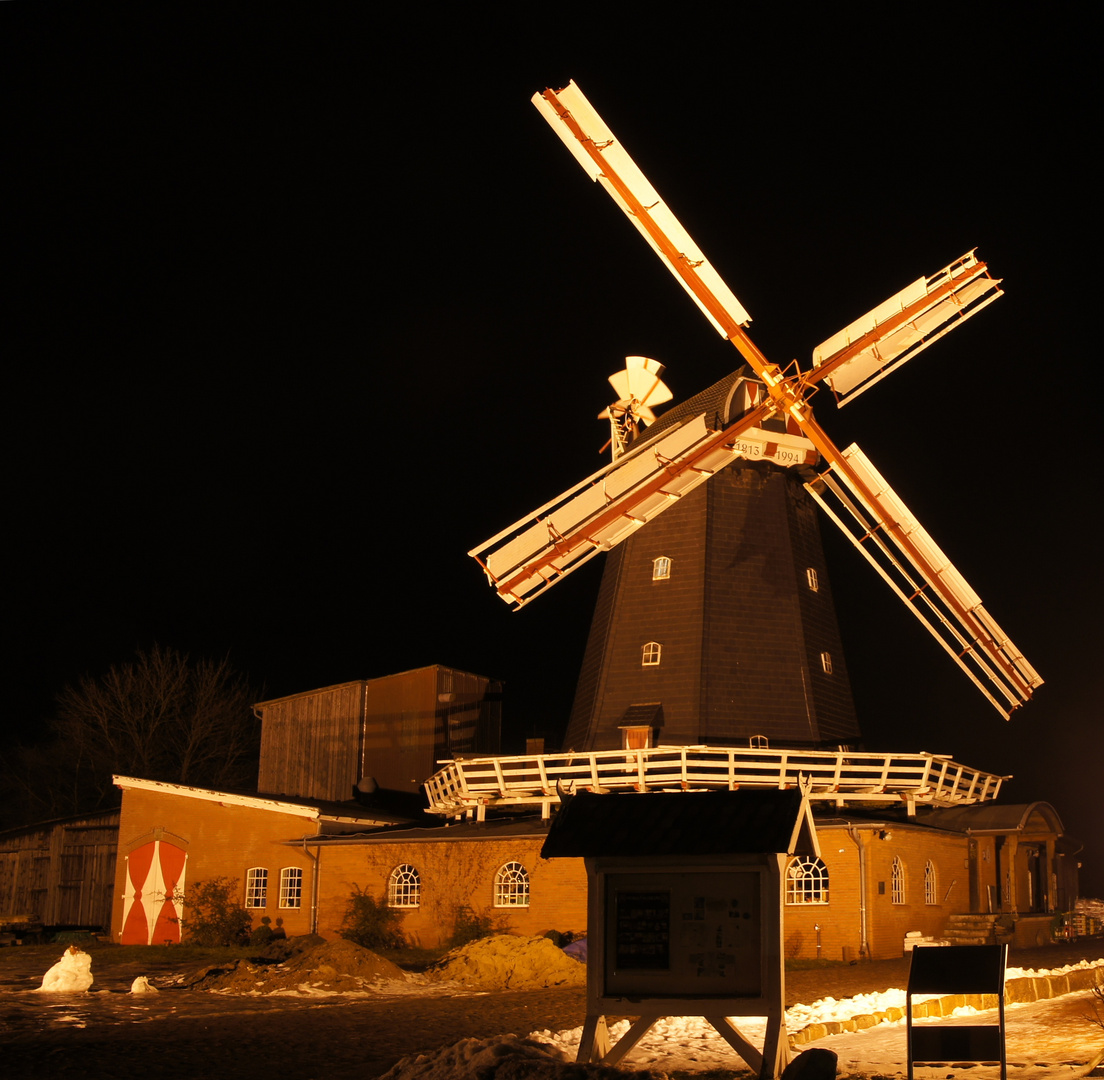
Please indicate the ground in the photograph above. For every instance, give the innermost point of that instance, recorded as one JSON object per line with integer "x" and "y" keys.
{"x": 189, "y": 1033}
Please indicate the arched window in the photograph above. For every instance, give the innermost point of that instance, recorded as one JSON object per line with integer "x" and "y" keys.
{"x": 826, "y": 662}
{"x": 661, "y": 568}
{"x": 404, "y": 887}
{"x": 806, "y": 881}
{"x": 650, "y": 654}
{"x": 931, "y": 891}
{"x": 898, "y": 880}
{"x": 256, "y": 887}
{"x": 511, "y": 886}
{"x": 291, "y": 887}
{"x": 812, "y": 579}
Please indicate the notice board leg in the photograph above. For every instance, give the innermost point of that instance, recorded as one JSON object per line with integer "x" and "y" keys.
{"x": 735, "y": 1038}
{"x": 627, "y": 1041}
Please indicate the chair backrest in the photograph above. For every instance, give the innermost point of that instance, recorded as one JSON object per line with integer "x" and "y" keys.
{"x": 958, "y": 969}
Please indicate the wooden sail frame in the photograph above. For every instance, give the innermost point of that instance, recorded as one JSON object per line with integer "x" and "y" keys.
{"x": 524, "y": 561}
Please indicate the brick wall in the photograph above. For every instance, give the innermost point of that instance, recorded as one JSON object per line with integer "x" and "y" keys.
{"x": 220, "y": 841}
{"x": 887, "y": 922}
{"x": 453, "y": 874}
{"x": 948, "y": 855}
{"x": 840, "y": 929}
{"x": 226, "y": 840}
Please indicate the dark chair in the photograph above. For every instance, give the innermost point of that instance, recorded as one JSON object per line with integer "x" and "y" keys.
{"x": 957, "y": 969}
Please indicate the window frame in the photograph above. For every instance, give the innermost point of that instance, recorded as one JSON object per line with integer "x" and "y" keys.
{"x": 256, "y": 888}
{"x": 651, "y": 653}
{"x": 807, "y": 882}
{"x": 661, "y": 568}
{"x": 826, "y": 662}
{"x": 897, "y": 881}
{"x": 812, "y": 578}
{"x": 291, "y": 888}
{"x": 512, "y": 886}
{"x": 404, "y": 887}
{"x": 931, "y": 883}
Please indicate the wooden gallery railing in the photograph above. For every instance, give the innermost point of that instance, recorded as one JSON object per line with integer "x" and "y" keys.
{"x": 469, "y": 786}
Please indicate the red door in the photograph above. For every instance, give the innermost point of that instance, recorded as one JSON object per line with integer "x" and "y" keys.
{"x": 153, "y": 901}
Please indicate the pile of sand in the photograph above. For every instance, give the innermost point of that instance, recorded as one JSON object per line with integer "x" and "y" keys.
{"x": 505, "y": 962}
{"x": 506, "y": 1058}
{"x": 332, "y": 967}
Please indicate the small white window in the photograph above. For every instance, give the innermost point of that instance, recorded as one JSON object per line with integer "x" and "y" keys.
{"x": 898, "y": 879}
{"x": 661, "y": 568}
{"x": 511, "y": 886}
{"x": 291, "y": 887}
{"x": 826, "y": 662}
{"x": 811, "y": 577}
{"x": 930, "y": 884}
{"x": 404, "y": 887}
{"x": 650, "y": 654}
{"x": 759, "y": 742}
{"x": 256, "y": 887}
{"x": 807, "y": 881}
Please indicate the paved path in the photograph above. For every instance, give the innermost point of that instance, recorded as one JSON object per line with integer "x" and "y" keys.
{"x": 1042, "y": 1039}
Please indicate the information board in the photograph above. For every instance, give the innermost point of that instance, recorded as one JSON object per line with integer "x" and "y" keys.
{"x": 684, "y": 934}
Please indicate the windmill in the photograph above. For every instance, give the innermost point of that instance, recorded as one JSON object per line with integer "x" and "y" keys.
{"x": 760, "y": 414}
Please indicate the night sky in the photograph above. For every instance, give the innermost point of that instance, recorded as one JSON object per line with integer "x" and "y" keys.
{"x": 307, "y": 304}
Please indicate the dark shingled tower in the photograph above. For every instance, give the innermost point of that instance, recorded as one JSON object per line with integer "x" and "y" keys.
{"x": 748, "y": 643}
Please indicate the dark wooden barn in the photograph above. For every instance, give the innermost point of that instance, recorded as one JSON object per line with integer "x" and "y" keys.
{"x": 386, "y": 733}
{"x": 59, "y": 873}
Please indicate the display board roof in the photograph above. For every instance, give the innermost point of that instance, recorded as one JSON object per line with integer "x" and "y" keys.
{"x": 745, "y": 822}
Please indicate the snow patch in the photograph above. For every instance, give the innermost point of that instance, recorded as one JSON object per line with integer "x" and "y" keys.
{"x": 71, "y": 974}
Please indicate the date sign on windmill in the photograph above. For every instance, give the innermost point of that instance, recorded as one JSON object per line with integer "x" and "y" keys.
{"x": 765, "y": 415}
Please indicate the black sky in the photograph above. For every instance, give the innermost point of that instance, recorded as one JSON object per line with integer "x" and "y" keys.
{"x": 308, "y": 304}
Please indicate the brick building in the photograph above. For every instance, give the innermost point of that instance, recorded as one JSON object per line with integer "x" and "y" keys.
{"x": 880, "y": 876}
{"x": 910, "y": 844}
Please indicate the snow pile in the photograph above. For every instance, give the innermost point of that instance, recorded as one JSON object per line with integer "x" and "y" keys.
{"x": 71, "y": 974}
{"x": 829, "y": 1010}
{"x": 507, "y": 1058}
{"x": 506, "y": 962}
{"x": 335, "y": 967}
{"x": 142, "y": 985}
{"x": 1031, "y": 973}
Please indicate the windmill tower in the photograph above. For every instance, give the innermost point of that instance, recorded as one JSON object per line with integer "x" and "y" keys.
{"x": 733, "y": 435}
{"x": 715, "y": 624}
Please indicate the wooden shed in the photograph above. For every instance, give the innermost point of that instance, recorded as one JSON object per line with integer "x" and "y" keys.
{"x": 60, "y": 872}
{"x": 388, "y": 732}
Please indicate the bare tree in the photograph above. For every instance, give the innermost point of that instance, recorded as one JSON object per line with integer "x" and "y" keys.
{"x": 161, "y": 717}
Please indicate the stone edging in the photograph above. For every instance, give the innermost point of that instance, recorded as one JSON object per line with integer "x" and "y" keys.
{"x": 1029, "y": 988}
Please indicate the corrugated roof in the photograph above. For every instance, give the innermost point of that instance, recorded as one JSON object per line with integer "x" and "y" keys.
{"x": 482, "y": 830}
{"x": 991, "y": 817}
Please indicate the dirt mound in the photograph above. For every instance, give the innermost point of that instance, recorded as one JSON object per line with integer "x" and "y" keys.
{"x": 507, "y": 1058}
{"x": 506, "y": 962}
{"x": 330, "y": 967}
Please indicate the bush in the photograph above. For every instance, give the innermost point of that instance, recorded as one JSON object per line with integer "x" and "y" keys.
{"x": 213, "y": 916}
{"x": 370, "y": 923}
{"x": 472, "y": 925}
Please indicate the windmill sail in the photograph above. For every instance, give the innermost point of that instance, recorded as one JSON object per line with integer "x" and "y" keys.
{"x": 534, "y": 553}
{"x": 894, "y": 543}
{"x": 594, "y": 146}
{"x": 868, "y": 349}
